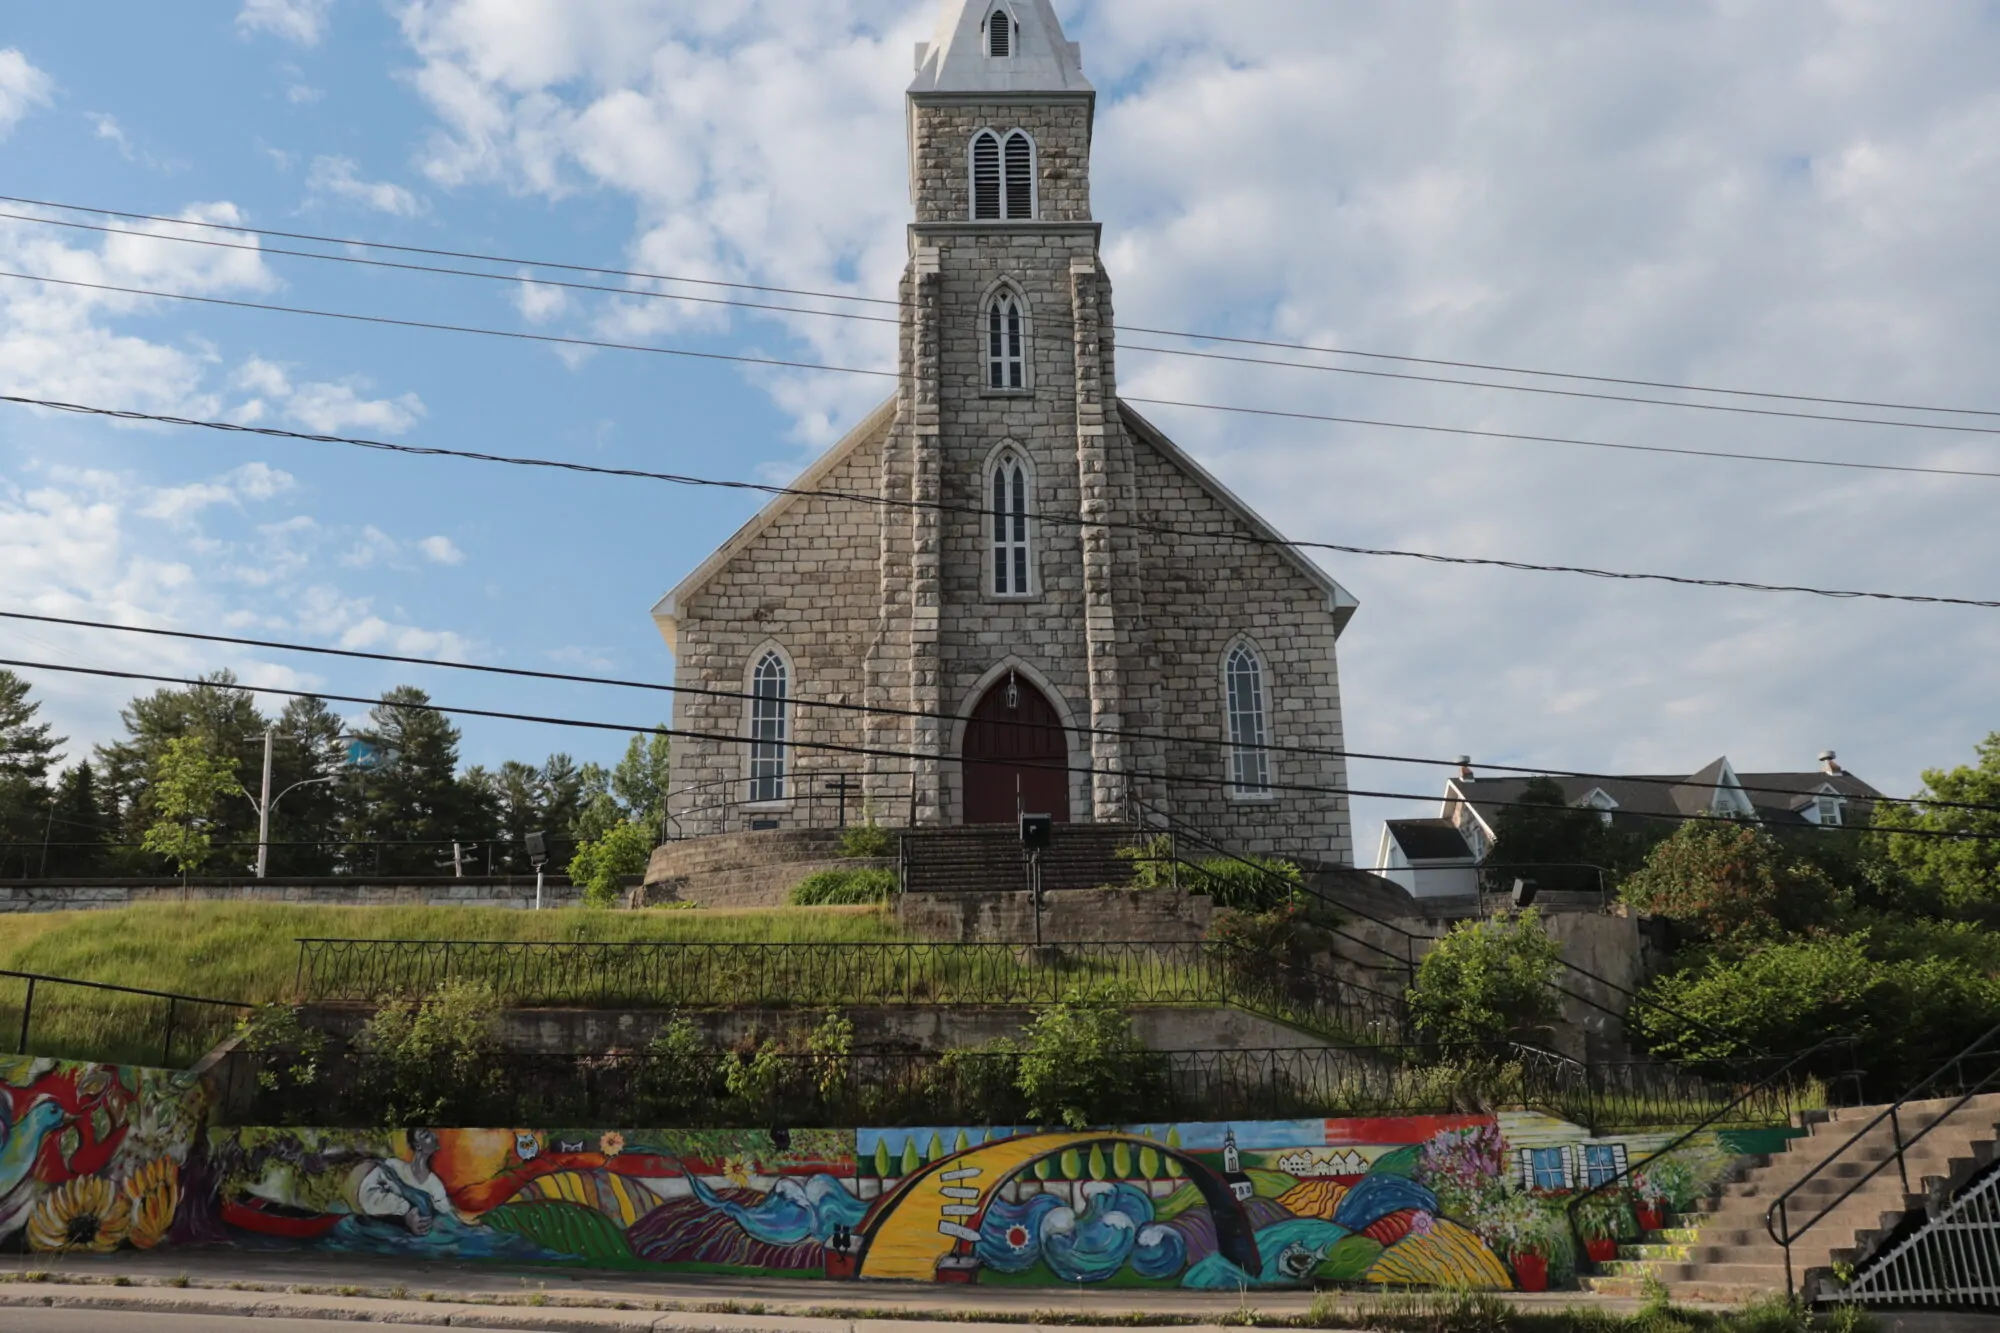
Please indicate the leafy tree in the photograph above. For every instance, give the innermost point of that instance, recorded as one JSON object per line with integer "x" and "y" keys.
{"x": 639, "y": 781}
{"x": 1731, "y": 885}
{"x": 80, "y": 826}
{"x": 402, "y": 813}
{"x": 222, "y": 715}
{"x": 28, "y": 749}
{"x": 189, "y": 784}
{"x": 598, "y": 866}
{"x": 435, "y": 1060}
{"x": 1963, "y": 872}
{"x": 1544, "y": 838}
{"x": 1488, "y": 981}
{"x": 1904, "y": 1015}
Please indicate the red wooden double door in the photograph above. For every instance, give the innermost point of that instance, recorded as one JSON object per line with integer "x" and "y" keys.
{"x": 1016, "y": 756}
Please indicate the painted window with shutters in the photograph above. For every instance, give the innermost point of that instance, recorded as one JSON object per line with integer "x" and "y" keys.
{"x": 1013, "y": 565}
{"x": 770, "y": 689}
{"x": 1602, "y": 1162}
{"x": 1546, "y": 1169}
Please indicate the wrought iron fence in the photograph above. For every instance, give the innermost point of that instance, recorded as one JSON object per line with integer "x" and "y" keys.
{"x": 706, "y": 975}
{"x": 1952, "y": 1258}
{"x": 97, "y": 1020}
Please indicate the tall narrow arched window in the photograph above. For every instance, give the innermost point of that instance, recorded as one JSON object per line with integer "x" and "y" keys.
{"x": 769, "y": 722}
{"x": 1006, "y": 341}
{"x": 1008, "y": 488}
{"x": 999, "y": 35}
{"x": 1249, "y": 724}
{"x": 986, "y": 194}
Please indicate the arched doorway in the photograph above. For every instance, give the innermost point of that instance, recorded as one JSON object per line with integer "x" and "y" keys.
{"x": 1015, "y": 748}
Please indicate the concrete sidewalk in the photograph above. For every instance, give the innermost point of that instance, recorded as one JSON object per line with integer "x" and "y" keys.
{"x": 221, "y": 1283}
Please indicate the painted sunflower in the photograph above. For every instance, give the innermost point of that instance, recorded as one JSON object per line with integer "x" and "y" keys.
{"x": 87, "y": 1214}
{"x": 611, "y": 1144}
{"x": 154, "y": 1193}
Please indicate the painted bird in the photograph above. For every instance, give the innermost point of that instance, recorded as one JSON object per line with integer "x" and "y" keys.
{"x": 19, "y": 1140}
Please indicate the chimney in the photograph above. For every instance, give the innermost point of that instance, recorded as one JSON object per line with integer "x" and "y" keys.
{"x": 1465, "y": 768}
{"x": 1826, "y": 762}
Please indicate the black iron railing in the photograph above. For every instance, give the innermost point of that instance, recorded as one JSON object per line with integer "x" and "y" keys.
{"x": 705, "y": 975}
{"x": 1973, "y": 1070}
{"x": 98, "y": 1020}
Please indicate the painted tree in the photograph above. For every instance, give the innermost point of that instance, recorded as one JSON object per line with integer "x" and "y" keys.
{"x": 1043, "y": 1167}
{"x": 1071, "y": 1164}
{"x": 961, "y": 1143}
{"x": 1149, "y": 1162}
{"x": 189, "y": 783}
{"x": 1097, "y": 1161}
{"x": 912, "y": 1163}
{"x": 935, "y": 1149}
{"x": 882, "y": 1159}
{"x": 1173, "y": 1136}
{"x": 1121, "y": 1161}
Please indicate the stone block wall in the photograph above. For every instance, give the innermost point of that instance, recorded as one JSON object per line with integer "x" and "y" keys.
{"x": 512, "y": 891}
{"x": 1070, "y": 916}
{"x": 941, "y": 154}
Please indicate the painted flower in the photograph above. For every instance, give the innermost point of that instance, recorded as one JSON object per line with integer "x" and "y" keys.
{"x": 611, "y": 1144}
{"x": 154, "y": 1192}
{"x": 1017, "y": 1236}
{"x": 737, "y": 1171}
{"x": 1420, "y": 1225}
{"x": 87, "y": 1213}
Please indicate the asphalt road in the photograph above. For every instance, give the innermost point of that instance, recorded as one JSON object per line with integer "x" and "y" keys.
{"x": 121, "y": 1321}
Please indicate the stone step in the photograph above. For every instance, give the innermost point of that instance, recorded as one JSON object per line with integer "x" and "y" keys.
{"x": 1633, "y": 1288}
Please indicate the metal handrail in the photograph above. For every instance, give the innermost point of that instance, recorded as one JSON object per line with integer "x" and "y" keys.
{"x": 173, "y": 998}
{"x": 1777, "y": 1218}
{"x": 1764, "y": 1084}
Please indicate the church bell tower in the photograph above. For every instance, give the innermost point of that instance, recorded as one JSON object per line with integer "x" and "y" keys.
{"x": 1005, "y": 414}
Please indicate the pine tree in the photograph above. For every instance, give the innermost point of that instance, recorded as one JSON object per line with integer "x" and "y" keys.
{"x": 401, "y": 813}
{"x": 28, "y": 749}
{"x": 78, "y": 826}
{"x": 225, "y": 718}
{"x": 305, "y": 825}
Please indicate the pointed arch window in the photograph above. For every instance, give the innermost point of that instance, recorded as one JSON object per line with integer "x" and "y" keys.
{"x": 770, "y": 721}
{"x": 1007, "y": 489}
{"x": 1003, "y": 176}
{"x": 1006, "y": 341}
{"x": 1249, "y": 724}
{"x": 999, "y": 35}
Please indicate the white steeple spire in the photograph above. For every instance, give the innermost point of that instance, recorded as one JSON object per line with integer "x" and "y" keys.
{"x": 966, "y": 57}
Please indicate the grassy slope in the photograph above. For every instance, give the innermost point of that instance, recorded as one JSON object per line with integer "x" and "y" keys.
{"x": 247, "y": 951}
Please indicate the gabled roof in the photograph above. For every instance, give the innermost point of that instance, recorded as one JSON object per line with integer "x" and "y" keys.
{"x": 1039, "y": 58}
{"x": 1339, "y": 600}
{"x": 1670, "y": 794}
{"x": 666, "y": 611}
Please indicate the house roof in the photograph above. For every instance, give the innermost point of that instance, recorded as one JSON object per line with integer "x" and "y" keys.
{"x": 1777, "y": 798}
{"x": 666, "y": 612}
{"x": 1429, "y": 840}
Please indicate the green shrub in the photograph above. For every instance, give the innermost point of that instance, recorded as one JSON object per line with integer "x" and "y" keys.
{"x": 869, "y": 840}
{"x": 842, "y": 888}
{"x": 1080, "y": 1065}
{"x": 599, "y": 866}
{"x": 1488, "y": 981}
{"x": 432, "y": 1061}
{"x": 677, "y": 1077}
{"x": 1730, "y": 884}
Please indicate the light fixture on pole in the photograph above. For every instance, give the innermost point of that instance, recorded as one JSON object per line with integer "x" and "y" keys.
{"x": 538, "y": 856}
{"x": 262, "y": 804}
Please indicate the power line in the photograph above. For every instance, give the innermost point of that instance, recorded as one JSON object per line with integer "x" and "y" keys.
{"x": 835, "y": 747}
{"x": 1041, "y": 335}
{"x": 882, "y": 710}
{"x": 1517, "y": 437}
{"x": 1059, "y": 520}
{"x": 876, "y": 300}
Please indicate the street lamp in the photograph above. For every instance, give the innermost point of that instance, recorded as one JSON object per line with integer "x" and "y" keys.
{"x": 538, "y": 855}
{"x": 263, "y": 805}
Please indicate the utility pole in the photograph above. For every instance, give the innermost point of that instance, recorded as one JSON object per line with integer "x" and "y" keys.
{"x": 264, "y": 805}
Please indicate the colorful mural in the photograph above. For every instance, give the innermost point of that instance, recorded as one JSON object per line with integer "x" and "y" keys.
{"x": 93, "y": 1157}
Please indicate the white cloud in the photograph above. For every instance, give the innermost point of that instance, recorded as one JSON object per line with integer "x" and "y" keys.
{"x": 322, "y": 407}
{"x": 302, "y": 94}
{"x": 108, "y": 128}
{"x": 299, "y": 21}
{"x": 22, "y": 88}
{"x": 1784, "y": 196}
{"x": 537, "y": 301}
{"x": 252, "y": 482}
{"x": 338, "y": 178}
{"x": 441, "y": 550}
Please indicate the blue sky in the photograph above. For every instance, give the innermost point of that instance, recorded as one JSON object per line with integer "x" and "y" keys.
{"x": 1794, "y": 197}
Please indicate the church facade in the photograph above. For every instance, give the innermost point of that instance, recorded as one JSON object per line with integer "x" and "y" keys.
{"x": 1011, "y": 592}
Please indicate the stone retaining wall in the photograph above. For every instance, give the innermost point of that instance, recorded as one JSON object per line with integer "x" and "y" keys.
{"x": 743, "y": 869}
{"x": 1070, "y": 916}
{"x": 87, "y": 895}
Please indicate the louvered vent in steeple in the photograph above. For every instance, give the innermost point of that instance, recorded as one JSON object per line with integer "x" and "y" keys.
{"x": 985, "y": 175}
{"x": 1020, "y": 176}
{"x": 999, "y": 35}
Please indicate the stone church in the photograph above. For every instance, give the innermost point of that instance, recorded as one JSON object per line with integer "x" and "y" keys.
{"x": 987, "y": 614}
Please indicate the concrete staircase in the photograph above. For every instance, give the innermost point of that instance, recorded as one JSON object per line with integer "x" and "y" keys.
{"x": 1720, "y": 1249}
{"x": 987, "y": 858}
